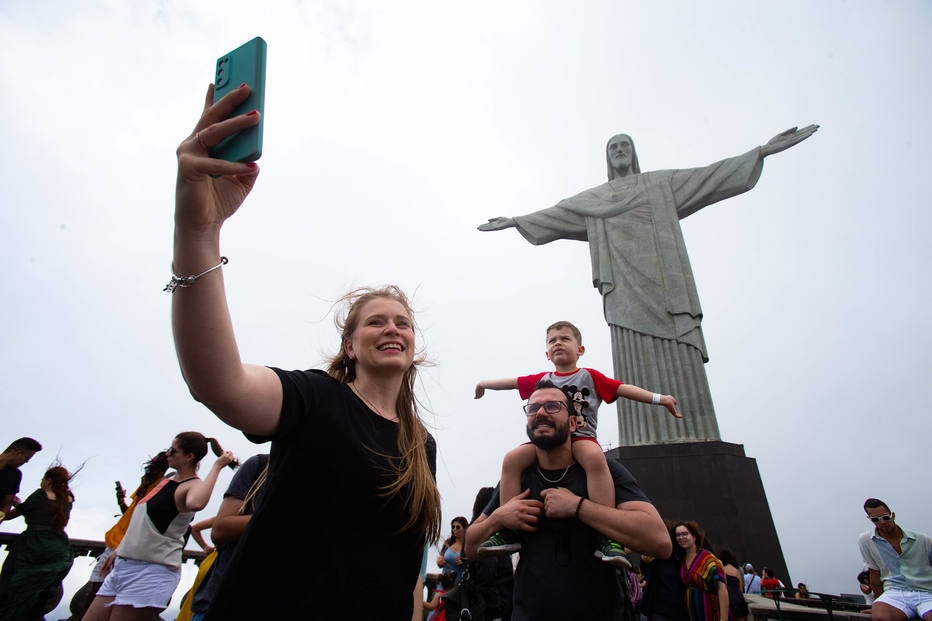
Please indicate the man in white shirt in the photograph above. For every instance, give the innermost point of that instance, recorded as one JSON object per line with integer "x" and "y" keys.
{"x": 900, "y": 566}
{"x": 751, "y": 579}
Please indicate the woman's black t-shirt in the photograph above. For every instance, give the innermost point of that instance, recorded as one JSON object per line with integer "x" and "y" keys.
{"x": 324, "y": 532}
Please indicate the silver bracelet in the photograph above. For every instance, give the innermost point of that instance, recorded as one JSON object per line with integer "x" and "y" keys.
{"x": 187, "y": 281}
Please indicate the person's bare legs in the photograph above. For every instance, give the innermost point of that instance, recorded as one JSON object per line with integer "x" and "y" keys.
{"x": 516, "y": 461}
{"x": 599, "y": 481}
{"x": 98, "y": 610}
{"x": 588, "y": 453}
{"x": 885, "y": 612}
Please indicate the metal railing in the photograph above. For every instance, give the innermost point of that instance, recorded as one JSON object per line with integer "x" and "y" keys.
{"x": 91, "y": 547}
{"x": 825, "y": 601}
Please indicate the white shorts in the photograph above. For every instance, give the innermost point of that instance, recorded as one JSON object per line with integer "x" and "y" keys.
{"x": 96, "y": 575}
{"x": 140, "y": 584}
{"x": 910, "y": 603}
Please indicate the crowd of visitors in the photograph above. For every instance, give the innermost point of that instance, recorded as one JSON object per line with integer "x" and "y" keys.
{"x": 140, "y": 566}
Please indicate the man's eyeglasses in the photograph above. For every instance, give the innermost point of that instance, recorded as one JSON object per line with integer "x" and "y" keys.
{"x": 550, "y": 407}
{"x": 171, "y": 450}
{"x": 876, "y": 519}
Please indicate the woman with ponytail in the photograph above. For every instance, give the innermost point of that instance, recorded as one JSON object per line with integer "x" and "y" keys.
{"x": 40, "y": 558}
{"x": 146, "y": 567}
{"x": 152, "y": 472}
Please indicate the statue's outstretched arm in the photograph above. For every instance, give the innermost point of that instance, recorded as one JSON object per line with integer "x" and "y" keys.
{"x": 786, "y": 139}
{"x": 497, "y": 224}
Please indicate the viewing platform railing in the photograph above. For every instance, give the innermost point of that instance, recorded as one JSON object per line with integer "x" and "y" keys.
{"x": 782, "y": 605}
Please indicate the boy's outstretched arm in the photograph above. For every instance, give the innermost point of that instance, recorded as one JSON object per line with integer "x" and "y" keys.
{"x": 506, "y": 383}
{"x": 630, "y": 391}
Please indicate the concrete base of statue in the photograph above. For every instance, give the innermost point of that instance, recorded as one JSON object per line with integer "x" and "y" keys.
{"x": 718, "y": 486}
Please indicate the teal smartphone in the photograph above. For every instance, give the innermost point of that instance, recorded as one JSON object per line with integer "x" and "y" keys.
{"x": 244, "y": 64}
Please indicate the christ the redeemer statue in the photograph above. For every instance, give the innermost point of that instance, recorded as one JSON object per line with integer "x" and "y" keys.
{"x": 641, "y": 268}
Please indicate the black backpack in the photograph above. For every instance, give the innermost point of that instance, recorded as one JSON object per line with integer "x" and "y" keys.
{"x": 467, "y": 601}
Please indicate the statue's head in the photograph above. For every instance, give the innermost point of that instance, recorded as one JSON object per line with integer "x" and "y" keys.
{"x": 620, "y": 154}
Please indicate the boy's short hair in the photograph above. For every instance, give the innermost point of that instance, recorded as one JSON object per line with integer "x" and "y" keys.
{"x": 565, "y": 324}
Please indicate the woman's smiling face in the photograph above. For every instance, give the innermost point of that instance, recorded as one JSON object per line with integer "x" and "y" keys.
{"x": 384, "y": 337}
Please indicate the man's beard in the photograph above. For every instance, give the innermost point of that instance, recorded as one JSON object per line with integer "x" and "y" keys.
{"x": 561, "y": 433}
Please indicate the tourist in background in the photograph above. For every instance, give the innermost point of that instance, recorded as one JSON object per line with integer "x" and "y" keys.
{"x": 734, "y": 581}
{"x": 16, "y": 455}
{"x": 40, "y": 557}
{"x": 770, "y": 585}
{"x": 702, "y": 574}
{"x": 664, "y": 597}
{"x": 436, "y": 606}
{"x": 146, "y": 567}
{"x": 899, "y": 564}
{"x": 450, "y": 558}
{"x": 240, "y": 501}
{"x": 493, "y": 575}
{"x": 152, "y": 472}
{"x": 751, "y": 579}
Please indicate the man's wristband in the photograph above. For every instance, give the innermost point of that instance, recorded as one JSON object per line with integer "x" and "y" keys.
{"x": 579, "y": 506}
{"x": 656, "y": 398}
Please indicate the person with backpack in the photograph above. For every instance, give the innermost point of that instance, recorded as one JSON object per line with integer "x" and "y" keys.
{"x": 751, "y": 579}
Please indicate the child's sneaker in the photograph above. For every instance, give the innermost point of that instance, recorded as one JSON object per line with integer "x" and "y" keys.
{"x": 610, "y": 551}
{"x": 501, "y": 543}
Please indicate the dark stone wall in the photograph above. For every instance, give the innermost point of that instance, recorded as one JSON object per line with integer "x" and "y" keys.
{"x": 718, "y": 486}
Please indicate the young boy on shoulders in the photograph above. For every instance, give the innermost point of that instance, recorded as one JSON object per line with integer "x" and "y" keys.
{"x": 588, "y": 389}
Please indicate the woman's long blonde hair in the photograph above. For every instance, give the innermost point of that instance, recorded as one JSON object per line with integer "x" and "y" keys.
{"x": 412, "y": 469}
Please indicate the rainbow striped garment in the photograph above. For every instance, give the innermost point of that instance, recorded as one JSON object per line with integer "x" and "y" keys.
{"x": 701, "y": 580}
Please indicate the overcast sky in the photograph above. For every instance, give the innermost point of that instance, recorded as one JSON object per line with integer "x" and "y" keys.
{"x": 392, "y": 130}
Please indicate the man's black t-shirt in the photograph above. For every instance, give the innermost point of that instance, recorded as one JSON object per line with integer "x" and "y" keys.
{"x": 558, "y": 576}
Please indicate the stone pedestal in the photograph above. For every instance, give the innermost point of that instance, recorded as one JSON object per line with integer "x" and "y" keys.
{"x": 718, "y": 486}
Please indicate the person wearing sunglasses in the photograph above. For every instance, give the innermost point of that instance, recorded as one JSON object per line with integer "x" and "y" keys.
{"x": 450, "y": 559}
{"x": 146, "y": 567}
{"x": 153, "y": 471}
{"x": 899, "y": 563}
{"x": 557, "y": 576}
